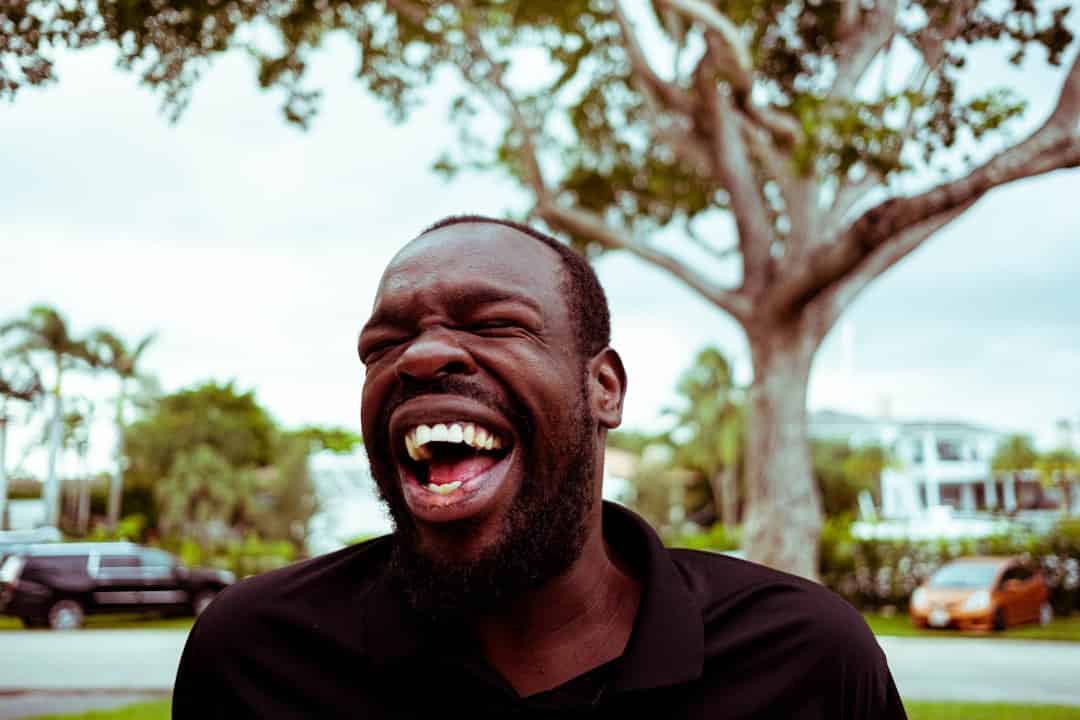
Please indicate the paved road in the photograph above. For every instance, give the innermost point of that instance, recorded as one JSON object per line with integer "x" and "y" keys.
{"x": 985, "y": 670}
{"x": 113, "y": 662}
{"x": 90, "y": 659}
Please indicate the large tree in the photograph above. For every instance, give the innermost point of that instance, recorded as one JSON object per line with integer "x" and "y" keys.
{"x": 794, "y": 118}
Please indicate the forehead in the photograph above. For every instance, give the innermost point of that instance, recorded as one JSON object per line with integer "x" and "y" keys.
{"x": 475, "y": 256}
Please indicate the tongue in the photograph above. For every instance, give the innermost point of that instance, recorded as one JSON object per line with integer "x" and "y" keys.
{"x": 441, "y": 472}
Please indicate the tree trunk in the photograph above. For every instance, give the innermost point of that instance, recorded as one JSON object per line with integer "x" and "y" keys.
{"x": 782, "y": 523}
{"x": 116, "y": 487}
{"x": 724, "y": 487}
{"x": 3, "y": 470}
{"x": 82, "y": 516}
{"x": 52, "y": 484}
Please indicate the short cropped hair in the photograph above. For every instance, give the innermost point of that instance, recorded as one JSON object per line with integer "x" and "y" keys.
{"x": 585, "y": 298}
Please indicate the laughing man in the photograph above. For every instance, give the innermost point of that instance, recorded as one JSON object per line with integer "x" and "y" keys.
{"x": 508, "y": 587}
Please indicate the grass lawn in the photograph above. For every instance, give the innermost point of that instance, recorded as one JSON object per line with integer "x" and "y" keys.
{"x": 1062, "y": 629}
{"x": 159, "y": 710}
{"x": 987, "y": 711}
{"x": 126, "y": 621}
{"x": 156, "y": 710}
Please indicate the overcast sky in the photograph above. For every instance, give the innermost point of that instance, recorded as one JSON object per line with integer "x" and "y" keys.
{"x": 253, "y": 249}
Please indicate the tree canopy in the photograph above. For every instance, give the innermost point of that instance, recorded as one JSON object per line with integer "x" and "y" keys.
{"x": 795, "y": 119}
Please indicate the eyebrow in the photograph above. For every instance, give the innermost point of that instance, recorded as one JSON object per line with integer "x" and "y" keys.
{"x": 459, "y": 299}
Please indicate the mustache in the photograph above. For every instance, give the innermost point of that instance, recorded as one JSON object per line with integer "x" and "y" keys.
{"x": 459, "y": 387}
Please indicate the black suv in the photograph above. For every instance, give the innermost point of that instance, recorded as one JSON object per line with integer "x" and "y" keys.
{"x": 58, "y": 584}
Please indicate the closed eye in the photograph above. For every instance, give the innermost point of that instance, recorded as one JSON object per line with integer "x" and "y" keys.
{"x": 374, "y": 350}
{"x": 493, "y": 327}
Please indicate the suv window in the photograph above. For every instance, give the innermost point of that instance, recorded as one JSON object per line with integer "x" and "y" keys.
{"x": 58, "y": 563}
{"x": 38, "y": 567}
{"x": 157, "y": 559}
{"x": 119, "y": 561}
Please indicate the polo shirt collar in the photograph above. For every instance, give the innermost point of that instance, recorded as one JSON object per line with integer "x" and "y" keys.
{"x": 666, "y": 647}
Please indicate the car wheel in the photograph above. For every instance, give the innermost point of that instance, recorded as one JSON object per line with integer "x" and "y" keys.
{"x": 65, "y": 614}
{"x": 202, "y": 601}
{"x": 1046, "y": 613}
{"x": 999, "y": 620}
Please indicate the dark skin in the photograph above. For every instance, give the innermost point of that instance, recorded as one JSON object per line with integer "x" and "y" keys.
{"x": 484, "y": 302}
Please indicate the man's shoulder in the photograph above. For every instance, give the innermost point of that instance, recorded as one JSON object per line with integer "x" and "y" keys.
{"x": 302, "y": 593}
{"x": 743, "y": 598}
{"x": 789, "y": 641}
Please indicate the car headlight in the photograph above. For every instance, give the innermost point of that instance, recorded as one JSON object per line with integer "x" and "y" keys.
{"x": 918, "y": 599}
{"x": 979, "y": 600}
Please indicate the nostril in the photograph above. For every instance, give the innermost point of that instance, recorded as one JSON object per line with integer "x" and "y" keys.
{"x": 455, "y": 368}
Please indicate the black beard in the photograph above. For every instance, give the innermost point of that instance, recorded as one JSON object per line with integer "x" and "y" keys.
{"x": 542, "y": 535}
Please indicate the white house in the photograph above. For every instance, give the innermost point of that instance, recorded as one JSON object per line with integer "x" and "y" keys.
{"x": 936, "y": 464}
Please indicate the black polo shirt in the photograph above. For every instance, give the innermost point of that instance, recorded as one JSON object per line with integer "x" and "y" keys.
{"x": 715, "y": 637}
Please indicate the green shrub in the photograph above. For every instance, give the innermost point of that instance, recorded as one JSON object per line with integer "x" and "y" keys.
{"x": 248, "y": 556}
{"x": 718, "y": 538}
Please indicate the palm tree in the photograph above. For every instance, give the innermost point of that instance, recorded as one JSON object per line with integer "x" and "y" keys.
{"x": 44, "y": 330}
{"x": 18, "y": 381}
{"x": 113, "y": 355}
{"x": 78, "y": 419}
{"x": 1014, "y": 457}
{"x": 710, "y": 428}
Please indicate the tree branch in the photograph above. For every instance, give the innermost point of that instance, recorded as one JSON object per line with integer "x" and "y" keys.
{"x": 1054, "y": 146}
{"x": 843, "y": 293}
{"x": 849, "y": 17}
{"x": 669, "y": 94}
{"x": 656, "y": 93}
{"x": 861, "y": 44}
{"x": 713, "y": 252}
{"x": 583, "y": 224}
{"x": 734, "y": 59}
{"x": 740, "y": 179}
{"x": 493, "y": 74}
{"x": 848, "y": 195}
{"x": 411, "y": 11}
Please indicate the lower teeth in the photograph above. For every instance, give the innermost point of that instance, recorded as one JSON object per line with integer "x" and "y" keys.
{"x": 443, "y": 489}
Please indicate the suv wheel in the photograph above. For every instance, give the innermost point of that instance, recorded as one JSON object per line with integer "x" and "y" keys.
{"x": 202, "y": 601}
{"x": 1046, "y": 613}
{"x": 65, "y": 614}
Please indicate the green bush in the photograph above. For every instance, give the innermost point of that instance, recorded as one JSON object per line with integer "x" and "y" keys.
{"x": 718, "y": 538}
{"x": 130, "y": 527}
{"x": 249, "y": 556}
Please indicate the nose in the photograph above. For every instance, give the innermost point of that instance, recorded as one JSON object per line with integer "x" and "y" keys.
{"x": 433, "y": 354}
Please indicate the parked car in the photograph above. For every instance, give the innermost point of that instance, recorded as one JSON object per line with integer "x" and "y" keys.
{"x": 57, "y": 585}
{"x": 982, "y": 593}
{"x": 12, "y": 541}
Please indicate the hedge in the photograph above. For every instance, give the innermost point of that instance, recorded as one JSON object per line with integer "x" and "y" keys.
{"x": 875, "y": 573}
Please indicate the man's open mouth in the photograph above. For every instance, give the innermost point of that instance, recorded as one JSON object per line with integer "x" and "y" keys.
{"x": 447, "y": 456}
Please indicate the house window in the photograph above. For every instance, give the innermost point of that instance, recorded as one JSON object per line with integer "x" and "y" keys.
{"x": 948, "y": 451}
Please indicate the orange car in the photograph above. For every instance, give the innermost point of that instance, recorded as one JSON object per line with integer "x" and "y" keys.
{"x": 981, "y": 593}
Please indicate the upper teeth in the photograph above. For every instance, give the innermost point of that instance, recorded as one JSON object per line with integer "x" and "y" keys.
{"x": 468, "y": 433}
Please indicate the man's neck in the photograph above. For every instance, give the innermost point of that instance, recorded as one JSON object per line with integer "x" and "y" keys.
{"x": 576, "y": 622}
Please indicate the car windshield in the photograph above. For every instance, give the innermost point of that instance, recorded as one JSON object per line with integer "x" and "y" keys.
{"x": 964, "y": 575}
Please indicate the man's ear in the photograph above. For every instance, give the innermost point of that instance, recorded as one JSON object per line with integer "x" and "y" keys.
{"x": 607, "y": 387}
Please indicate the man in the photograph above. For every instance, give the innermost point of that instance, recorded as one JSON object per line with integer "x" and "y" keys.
{"x": 508, "y": 587}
